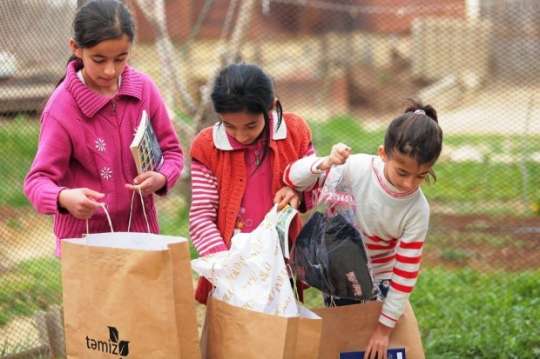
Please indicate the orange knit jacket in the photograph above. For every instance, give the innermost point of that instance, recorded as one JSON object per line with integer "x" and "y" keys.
{"x": 230, "y": 171}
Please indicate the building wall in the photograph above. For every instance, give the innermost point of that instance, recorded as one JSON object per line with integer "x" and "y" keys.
{"x": 391, "y": 16}
{"x": 515, "y": 40}
{"x": 405, "y": 11}
{"x": 179, "y": 20}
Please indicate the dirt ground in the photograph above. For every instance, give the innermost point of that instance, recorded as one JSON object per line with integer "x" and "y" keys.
{"x": 24, "y": 235}
{"x": 483, "y": 242}
{"x": 478, "y": 241}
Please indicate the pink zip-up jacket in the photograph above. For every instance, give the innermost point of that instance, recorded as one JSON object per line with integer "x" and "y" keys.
{"x": 84, "y": 142}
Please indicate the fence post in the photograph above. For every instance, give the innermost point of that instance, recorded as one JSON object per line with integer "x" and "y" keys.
{"x": 55, "y": 328}
{"x": 51, "y": 331}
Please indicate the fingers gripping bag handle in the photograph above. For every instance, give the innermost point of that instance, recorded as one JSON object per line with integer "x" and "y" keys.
{"x": 109, "y": 220}
{"x": 104, "y": 207}
{"x": 333, "y": 198}
{"x": 271, "y": 218}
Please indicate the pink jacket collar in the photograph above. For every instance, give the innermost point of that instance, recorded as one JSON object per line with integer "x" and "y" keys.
{"x": 90, "y": 102}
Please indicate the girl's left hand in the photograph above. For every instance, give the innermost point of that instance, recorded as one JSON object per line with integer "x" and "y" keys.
{"x": 378, "y": 343}
{"x": 149, "y": 182}
{"x": 285, "y": 196}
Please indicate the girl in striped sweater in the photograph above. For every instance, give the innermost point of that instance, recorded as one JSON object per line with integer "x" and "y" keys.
{"x": 238, "y": 164}
{"x": 391, "y": 210}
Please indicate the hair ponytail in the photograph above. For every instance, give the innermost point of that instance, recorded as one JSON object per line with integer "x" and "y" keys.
{"x": 279, "y": 112}
{"x": 416, "y": 133}
{"x": 428, "y": 109}
{"x": 71, "y": 58}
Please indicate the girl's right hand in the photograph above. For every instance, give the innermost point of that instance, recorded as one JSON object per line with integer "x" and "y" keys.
{"x": 338, "y": 156}
{"x": 80, "y": 202}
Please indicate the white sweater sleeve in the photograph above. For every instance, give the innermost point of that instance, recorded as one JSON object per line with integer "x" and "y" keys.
{"x": 302, "y": 175}
{"x": 406, "y": 266}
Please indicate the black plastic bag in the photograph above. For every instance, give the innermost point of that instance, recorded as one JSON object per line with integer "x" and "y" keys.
{"x": 329, "y": 253}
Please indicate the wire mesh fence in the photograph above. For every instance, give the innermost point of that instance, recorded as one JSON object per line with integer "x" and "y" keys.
{"x": 347, "y": 67}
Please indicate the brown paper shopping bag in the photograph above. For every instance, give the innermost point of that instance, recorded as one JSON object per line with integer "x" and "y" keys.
{"x": 128, "y": 295}
{"x": 234, "y": 332}
{"x": 348, "y": 329}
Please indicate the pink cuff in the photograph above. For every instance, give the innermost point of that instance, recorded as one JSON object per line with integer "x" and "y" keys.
{"x": 171, "y": 174}
{"x": 49, "y": 200}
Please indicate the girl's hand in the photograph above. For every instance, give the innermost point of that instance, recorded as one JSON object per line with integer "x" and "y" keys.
{"x": 80, "y": 202}
{"x": 378, "y": 343}
{"x": 149, "y": 182}
{"x": 338, "y": 156}
{"x": 285, "y": 196}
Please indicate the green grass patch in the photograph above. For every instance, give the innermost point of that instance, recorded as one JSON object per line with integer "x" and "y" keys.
{"x": 492, "y": 188}
{"x": 496, "y": 144}
{"x": 461, "y": 314}
{"x": 30, "y": 286}
{"x": 467, "y": 314}
{"x": 467, "y": 187}
{"x": 18, "y": 143}
{"x": 476, "y": 182}
{"x": 347, "y": 130}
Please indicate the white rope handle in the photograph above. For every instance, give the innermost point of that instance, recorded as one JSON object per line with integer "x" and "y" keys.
{"x": 143, "y": 208}
{"x": 102, "y": 205}
{"x": 332, "y": 303}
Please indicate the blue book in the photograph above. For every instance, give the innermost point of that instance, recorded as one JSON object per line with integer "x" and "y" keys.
{"x": 392, "y": 354}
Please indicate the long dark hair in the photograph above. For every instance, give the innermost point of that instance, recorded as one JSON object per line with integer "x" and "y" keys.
{"x": 246, "y": 88}
{"x": 100, "y": 20}
{"x": 416, "y": 133}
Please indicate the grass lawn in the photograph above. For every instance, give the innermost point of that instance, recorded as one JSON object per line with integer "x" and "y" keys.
{"x": 30, "y": 286}
{"x": 467, "y": 314}
{"x": 463, "y": 187}
{"x": 18, "y": 141}
{"x": 462, "y": 314}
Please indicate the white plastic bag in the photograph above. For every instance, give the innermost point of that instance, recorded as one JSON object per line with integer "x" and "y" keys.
{"x": 252, "y": 274}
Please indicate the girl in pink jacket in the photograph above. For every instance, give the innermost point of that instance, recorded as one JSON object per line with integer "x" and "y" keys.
{"x": 83, "y": 161}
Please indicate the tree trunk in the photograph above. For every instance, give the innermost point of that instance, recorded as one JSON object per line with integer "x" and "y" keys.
{"x": 205, "y": 115}
{"x": 154, "y": 11}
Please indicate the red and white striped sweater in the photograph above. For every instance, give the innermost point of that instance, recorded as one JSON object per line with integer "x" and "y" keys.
{"x": 394, "y": 224}
{"x": 203, "y": 213}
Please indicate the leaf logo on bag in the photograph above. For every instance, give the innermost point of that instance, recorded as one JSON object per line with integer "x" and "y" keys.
{"x": 113, "y": 334}
{"x": 113, "y": 346}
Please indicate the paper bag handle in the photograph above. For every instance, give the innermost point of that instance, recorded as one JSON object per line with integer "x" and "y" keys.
{"x": 294, "y": 283}
{"x": 102, "y": 205}
{"x": 130, "y": 213}
{"x": 143, "y": 208}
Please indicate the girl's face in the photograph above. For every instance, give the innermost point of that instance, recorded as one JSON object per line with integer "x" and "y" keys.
{"x": 242, "y": 126}
{"x": 104, "y": 63}
{"x": 402, "y": 171}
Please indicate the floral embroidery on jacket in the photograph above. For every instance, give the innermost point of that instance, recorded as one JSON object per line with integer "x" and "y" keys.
{"x": 106, "y": 173}
{"x": 101, "y": 145}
